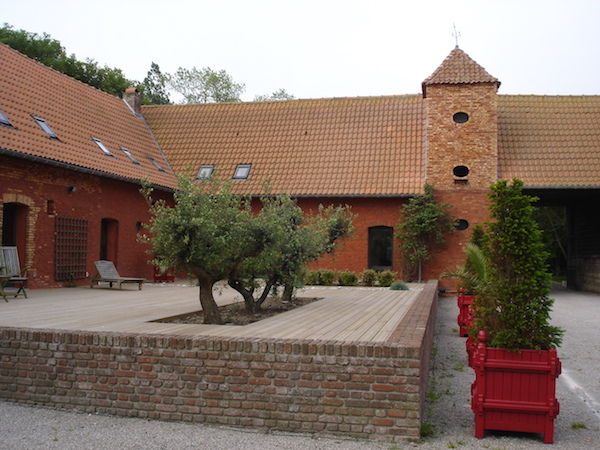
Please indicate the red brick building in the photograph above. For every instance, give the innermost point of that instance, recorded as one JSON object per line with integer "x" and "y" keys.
{"x": 373, "y": 153}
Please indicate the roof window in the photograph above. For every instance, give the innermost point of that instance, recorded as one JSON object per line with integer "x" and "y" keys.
{"x": 42, "y": 123}
{"x": 242, "y": 171}
{"x": 4, "y": 120}
{"x": 130, "y": 156}
{"x": 155, "y": 164}
{"x": 205, "y": 172}
{"x": 105, "y": 150}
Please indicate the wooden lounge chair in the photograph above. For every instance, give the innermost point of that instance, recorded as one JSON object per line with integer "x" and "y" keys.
{"x": 11, "y": 273}
{"x": 107, "y": 272}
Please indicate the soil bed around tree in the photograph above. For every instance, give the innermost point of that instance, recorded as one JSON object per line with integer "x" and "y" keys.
{"x": 235, "y": 314}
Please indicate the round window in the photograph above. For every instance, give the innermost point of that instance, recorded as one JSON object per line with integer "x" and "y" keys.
{"x": 460, "y": 117}
{"x": 460, "y": 171}
{"x": 462, "y": 224}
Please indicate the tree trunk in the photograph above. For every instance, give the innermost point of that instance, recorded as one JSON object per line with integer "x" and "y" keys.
{"x": 288, "y": 292}
{"x": 211, "y": 312}
{"x": 248, "y": 295}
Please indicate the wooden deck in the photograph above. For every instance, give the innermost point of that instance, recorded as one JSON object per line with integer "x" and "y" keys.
{"x": 343, "y": 314}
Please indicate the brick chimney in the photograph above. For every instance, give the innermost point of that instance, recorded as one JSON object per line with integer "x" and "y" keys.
{"x": 132, "y": 97}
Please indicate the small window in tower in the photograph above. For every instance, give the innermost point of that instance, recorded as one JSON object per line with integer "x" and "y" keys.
{"x": 205, "y": 172}
{"x": 102, "y": 147}
{"x": 460, "y": 117}
{"x": 460, "y": 171}
{"x": 42, "y": 123}
{"x": 242, "y": 171}
{"x": 461, "y": 224}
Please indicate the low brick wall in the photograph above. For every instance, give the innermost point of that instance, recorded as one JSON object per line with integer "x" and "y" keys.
{"x": 361, "y": 390}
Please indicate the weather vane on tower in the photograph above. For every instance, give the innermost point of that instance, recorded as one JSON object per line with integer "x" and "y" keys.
{"x": 456, "y": 34}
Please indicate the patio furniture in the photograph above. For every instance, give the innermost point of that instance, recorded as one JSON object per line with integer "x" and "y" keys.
{"x": 107, "y": 272}
{"x": 11, "y": 272}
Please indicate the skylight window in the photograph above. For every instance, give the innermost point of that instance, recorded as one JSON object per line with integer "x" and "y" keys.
{"x": 155, "y": 164}
{"x": 4, "y": 120}
{"x": 242, "y": 171}
{"x": 99, "y": 143}
{"x": 130, "y": 156}
{"x": 42, "y": 123}
{"x": 205, "y": 172}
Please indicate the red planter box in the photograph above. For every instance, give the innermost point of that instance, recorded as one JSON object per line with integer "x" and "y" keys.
{"x": 515, "y": 391}
{"x": 465, "y": 313}
{"x": 163, "y": 277}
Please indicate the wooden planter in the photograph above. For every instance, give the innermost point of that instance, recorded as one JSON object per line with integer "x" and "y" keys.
{"x": 514, "y": 391}
{"x": 465, "y": 314}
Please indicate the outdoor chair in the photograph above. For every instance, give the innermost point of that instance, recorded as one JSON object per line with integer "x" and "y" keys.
{"x": 107, "y": 272}
{"x": 11, "y": 272}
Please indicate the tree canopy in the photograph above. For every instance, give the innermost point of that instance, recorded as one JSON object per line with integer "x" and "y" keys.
{"x": 205, "y": 85}
{"x": 50, "y": 52}
{"x": 214, "y": 235}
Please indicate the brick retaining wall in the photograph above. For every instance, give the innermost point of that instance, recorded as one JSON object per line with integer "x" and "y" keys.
{"x": 361, "y": 390}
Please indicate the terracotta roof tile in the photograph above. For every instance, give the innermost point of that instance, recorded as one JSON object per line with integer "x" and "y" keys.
{"x": 76, "y": 112}
{"x": 549, "y": 141}
{"x": 459, "y": 68}
{"x": 369, "y": 146}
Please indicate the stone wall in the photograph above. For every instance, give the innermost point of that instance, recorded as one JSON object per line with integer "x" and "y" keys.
{"x": 362, "y": 390}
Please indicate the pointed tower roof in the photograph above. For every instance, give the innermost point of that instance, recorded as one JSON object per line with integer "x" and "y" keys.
{"x": 459, "y": 68}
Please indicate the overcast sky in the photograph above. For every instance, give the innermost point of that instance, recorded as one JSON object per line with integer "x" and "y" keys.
{"x": 331, "y": 48}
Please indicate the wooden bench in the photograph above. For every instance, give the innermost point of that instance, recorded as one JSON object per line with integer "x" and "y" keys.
{"x": 107, "y": 272}
{"x": 11, "y": 272}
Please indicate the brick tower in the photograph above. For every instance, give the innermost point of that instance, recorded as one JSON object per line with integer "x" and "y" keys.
{"x": 461, "y": 152}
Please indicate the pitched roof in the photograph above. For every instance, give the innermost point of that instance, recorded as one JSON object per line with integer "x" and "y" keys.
{"x": 331, "y": 147}
{"x": 549, "y": 141}
{"x": 76, "y": 113}
{"x": 459, "y": 68}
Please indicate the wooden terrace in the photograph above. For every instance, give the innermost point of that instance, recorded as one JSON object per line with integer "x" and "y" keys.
{"x": 344, "y": 314}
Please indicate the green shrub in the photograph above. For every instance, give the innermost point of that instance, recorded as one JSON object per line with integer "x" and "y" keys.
{"x": 312, "y": 278}
{"x": 386, "y": 278}
{"x": 368, "y": 277}
{"x": 328, "y": 277}
{"x": 398, "y": 286}
{"x": 347, "y": 278}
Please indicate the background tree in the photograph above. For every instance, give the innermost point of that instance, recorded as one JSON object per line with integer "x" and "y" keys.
{"x": 205, "y": 85}
{"x": 424, "y": 224}
{"x": 50, "y": 52}
{"x": 281, "y": 94}
{"x": 154, "y": 87}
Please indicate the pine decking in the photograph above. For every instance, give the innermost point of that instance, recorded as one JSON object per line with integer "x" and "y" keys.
{"x": 343, "y": 314}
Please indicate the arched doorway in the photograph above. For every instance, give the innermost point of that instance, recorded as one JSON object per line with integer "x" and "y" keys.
{"x": 14, "y": 227}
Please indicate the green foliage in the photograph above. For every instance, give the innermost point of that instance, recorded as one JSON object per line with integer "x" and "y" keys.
{"x": 474, "y": 274}
{"x": 312, "y": 278}
{"x": 281, "y": 94}
{"x": 49, "y": 51}
{"x": 424, "y": 224}
{"x": 154, "y": 87}
{"x": 368, "y": 277}
{"x": 328, "y": 277}
{"x": 427, "y": 430}
{"x": 398, "y": 286}
{"x": 347, "y": 278}
{"x": 514, "y": 307}
{"x": 205, "y": 85}
{"x": 386, "y": 278}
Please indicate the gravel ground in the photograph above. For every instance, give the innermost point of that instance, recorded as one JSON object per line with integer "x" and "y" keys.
{"x": 448, "y": 409}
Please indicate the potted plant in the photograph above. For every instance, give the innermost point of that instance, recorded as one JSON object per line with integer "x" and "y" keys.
{"x": 515, "y": 359}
